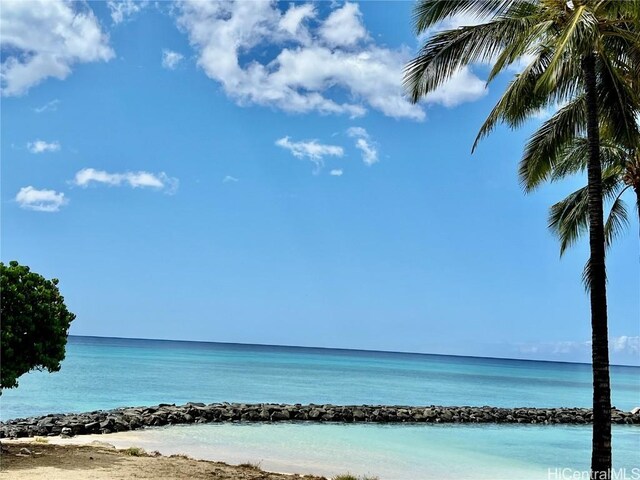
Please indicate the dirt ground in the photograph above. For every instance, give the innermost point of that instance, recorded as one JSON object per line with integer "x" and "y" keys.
{"x": 102, "y": 461}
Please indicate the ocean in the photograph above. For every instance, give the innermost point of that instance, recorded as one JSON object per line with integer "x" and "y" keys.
{"x": 103, "y": 373}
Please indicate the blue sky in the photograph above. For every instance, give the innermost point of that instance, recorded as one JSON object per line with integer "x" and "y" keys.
{"x": 252, "y": 173}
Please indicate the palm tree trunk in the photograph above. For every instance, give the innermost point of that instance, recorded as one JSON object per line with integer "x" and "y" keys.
{"x": 601, "y": 443}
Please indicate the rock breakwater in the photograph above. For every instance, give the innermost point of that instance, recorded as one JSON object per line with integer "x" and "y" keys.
{"x": 133, "y": 418}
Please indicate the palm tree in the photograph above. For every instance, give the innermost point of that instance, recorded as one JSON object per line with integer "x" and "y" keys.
{"x": 581, "y": 52}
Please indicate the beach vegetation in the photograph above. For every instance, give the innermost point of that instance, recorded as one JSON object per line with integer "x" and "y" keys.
{"x": 35, "y": 323}
{"x": 251, "y": 465}
{"x": 180, "y": 455}
{"x": 134, "y": 452}
{"x": 578, "y": 58}
{"x": 348, "y": 476}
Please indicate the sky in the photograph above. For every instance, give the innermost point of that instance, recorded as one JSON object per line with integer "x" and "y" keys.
{"x": 252, "y": 172}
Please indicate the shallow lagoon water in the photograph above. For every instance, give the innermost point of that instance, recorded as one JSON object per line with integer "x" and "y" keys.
{"x": 402, "y": 452}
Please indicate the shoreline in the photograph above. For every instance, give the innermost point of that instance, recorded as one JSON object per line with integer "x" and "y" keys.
{"x": 134, "y": 418}
{"x": 103, "y": 461}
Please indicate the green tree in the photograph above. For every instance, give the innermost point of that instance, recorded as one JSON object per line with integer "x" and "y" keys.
{"x": 35, "y": 323}
{"x": 581, "y": 52}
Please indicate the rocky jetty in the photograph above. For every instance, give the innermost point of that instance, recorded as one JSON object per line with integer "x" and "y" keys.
{"x": 123, "y": 419}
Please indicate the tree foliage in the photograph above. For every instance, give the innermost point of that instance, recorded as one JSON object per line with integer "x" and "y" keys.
{"x": 35, "y": 323}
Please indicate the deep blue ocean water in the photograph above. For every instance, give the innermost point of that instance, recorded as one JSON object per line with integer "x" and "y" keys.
{"x": 103, "y": 373}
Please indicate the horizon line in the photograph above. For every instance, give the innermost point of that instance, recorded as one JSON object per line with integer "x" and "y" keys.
{"x": 351, "y": 350}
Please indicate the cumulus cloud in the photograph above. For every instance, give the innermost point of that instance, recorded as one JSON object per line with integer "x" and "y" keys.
{"x": 343, "y": 27}
{"x": 229, "y": 178}
{"x": 40, "y": 146}
{"x": 463, "y": 87}
{"x": 51, "y": 106}
{"x": 121, "y": 10}
{"x": 311, "y": 150}
{"x": 31, "y": 198}
{"x": 262, "y": 55}
{"x": 46, "y": 38}
{"x": 336, "y": 172}
{"x": 621, "y": 345}
{"x": 364, "y": 144}
{"x": 141, "y": 179}
{"x": 171, "y": 59}
{"x": 292, "y": 22}
{"x": 626, "y": 344}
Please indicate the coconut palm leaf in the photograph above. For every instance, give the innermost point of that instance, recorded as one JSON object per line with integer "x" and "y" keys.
{"x": 450, "y": 50}
{"x": 573, "y": 159}
{"x": 616, "y": 223}
{"x": 544, "y": 146}
{"x": 569, "y": 218}
{"x": 428, "y": 13}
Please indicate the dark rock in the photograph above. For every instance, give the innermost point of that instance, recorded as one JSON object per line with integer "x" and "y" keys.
{"x": 280, "y": 415}
{"x": 123, "y": 419}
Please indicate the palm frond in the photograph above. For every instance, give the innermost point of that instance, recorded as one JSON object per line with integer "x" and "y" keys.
{"x": 569, "y": 218}
{"x": 617, "y": 220}
{"x": 577, "y": 37}
{"x": 448, "y": 51}
{"x": 618, "y": 103}
{"x": 573, "y": 158}
{"x": 519, "y": 100}
{"x": 428, "y": 13}
{"x": 545, "y": 145}
{"x": 527, "y": 41}
{"x": 588, "y": 276}
{"x": 627, "y": 10}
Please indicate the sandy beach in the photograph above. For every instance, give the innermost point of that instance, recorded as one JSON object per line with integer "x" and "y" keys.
{"x": 98, "y": 460}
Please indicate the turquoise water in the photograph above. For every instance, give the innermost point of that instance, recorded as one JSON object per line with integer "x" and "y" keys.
{"x": 408, "y": 452}
{"x": 101, "y": 373}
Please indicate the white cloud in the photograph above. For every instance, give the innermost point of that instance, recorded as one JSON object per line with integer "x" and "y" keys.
{"x": 364, "y": 144}
{"x": 40, "y": 146}
{"x": 620, "y": 345}
{"x": 369, "y": 152}
{"x": 343, "y": 27}
{"x": 462, "y": 87}
{"x": 159, "y": 181}
{"x": 122, "y": 9}
{"x": 626, "y": 344}
{"x": 311, "y": 150}
{"x": 569, "y": 346}
{"x": 357, "y": 132}
{"x": 521, "y": 63}
{"x": 229, "y": 178}
{"x": 51, "y": 106}
{"x": 292, "y": 22}
{"x": 317, "y": 66}
{"x": 336, "y": 172}
{"x": 171, "y": 59}
{"x": 40, "y": 200}
{"x": 45, "y": 38}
